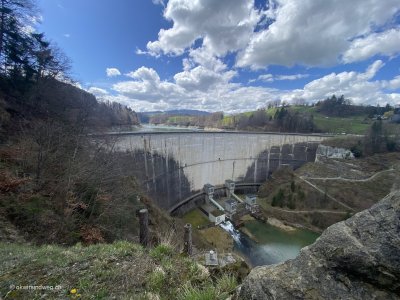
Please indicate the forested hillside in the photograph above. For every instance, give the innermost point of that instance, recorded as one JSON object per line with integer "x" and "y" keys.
{"x": 332, "y": 115}
{"x": 56, "y": 185}
{"x": 34, "y": 81}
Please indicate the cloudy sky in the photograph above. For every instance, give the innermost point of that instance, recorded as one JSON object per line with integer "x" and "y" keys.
{"x": 229, "y": 55}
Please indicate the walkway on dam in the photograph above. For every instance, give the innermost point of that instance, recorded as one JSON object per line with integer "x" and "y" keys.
{"x": 202, "y": 193}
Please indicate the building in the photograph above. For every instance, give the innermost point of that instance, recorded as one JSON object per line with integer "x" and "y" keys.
{"x": 209, "y": 191}
{"x": 251, "y": 203}
{"x": 230, "y": 208}
{"x": 216, "y": 216}
{"x": 211, "y": 258}
{"x": 230, "y": 187}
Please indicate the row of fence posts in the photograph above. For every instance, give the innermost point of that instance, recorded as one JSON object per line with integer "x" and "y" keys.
{"x": 144, "y": 232}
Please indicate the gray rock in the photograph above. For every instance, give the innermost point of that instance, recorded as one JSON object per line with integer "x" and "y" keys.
{"x": 355, "y": 259}
{"x": 332, "y": 152}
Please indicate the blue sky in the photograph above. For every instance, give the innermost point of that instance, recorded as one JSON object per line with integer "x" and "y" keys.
{"x": 229, "y": 55}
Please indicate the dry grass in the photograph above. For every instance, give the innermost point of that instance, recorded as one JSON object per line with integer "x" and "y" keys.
{"x": 217, "y": 238}
{"x": 121, "y": 270}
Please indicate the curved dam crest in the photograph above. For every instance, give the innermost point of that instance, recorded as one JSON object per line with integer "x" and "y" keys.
{"x": 174, "y": 165}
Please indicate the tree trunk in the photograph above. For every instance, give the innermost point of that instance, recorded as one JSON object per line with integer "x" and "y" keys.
{"x": 188, "y": 247}
{"x": 144, "y": 227}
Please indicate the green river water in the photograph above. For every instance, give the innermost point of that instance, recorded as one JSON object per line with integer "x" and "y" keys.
{"x": 273, "y": 245}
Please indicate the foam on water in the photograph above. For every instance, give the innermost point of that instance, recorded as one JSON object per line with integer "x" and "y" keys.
{"x": 228, "y": 227}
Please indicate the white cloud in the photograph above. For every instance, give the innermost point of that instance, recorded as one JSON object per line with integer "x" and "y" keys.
{"x": 198, "y": 87}
{"x": 141, "y": 52}
{"x": 373, "y": 69}
{"x": 147, "y": 86}
{"x": 67, "y": 35}
{"x": 271, "y": 77}
{"x": 266, "y": 77}
{"x": 288, "y": 32}
{"x": 158, "y": 2}
{"x": 98, "y": 92}
{"x": 201, "y": 78}
{"x": 111, "y": 72}
{"x": 385, "y": 43}
{"x": 356, "y": 86}
{"x": 205, "y": 58}
{"x": 394, "y": 83}
{"x": 223, "y": 26}
{"x": 291, "y": 77}
{"x": 314, "y": 33}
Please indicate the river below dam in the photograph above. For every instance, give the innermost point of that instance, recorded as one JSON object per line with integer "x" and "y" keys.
{"x": 272, "y": 245}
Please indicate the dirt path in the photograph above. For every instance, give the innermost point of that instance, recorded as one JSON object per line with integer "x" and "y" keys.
{"x": 349, "y": 179}
{"x": 312, "y": 211}
{"x": 327, "y": 195}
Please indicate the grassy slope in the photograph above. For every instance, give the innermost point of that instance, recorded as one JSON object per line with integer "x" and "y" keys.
{"x": 358, "y": 195}
{"x": 121, "y": 270}
{"x": 353, "y": 124}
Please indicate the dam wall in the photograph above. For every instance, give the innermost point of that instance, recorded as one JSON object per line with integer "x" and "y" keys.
{"x": 171, "y": 166}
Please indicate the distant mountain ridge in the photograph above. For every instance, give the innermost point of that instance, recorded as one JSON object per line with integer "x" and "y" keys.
{"x": 185, "y": 112}
{"x": 144, "y": 117}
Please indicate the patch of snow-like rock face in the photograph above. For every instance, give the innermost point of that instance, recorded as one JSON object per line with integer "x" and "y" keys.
{"x": 333, "y": 152}
{"x": 354, "y": 259}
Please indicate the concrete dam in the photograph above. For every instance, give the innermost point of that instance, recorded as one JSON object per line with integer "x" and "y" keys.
{"x": 173, "y": 167}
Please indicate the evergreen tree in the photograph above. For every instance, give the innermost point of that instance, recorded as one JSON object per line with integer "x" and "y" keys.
{"x": 25, "y": 54}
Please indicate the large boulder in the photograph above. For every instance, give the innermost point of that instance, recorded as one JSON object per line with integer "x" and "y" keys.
{"x": 355, "y": 259}
{"x": 332, "y": 152}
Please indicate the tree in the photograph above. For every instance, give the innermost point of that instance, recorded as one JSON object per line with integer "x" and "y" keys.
{"x": 25, "y": 54}
{"x": 375, "y": 138}
{"x": 48, "y": 59}
{"x": 14, "y": 19}
{"x": 258, "y": 118}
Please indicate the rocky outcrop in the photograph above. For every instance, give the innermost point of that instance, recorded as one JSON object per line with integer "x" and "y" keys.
{"x": 333, "y": 152}
{"x": 355, "y": 259}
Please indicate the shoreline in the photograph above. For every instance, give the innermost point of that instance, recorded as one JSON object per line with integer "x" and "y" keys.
{"x": 279, "y": 224}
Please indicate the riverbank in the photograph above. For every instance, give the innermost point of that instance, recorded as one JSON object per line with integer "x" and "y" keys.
{"x": 258, "y": 243}
{"x": 271, "y": 221}
{"x": 279, "y": 224}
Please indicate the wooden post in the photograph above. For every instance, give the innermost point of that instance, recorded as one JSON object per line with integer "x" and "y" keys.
{"x": 188, "y": 247}
{"x": 144, "y": 227}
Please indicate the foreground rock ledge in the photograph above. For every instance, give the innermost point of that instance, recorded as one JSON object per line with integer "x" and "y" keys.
{"x": 355, "y": 259}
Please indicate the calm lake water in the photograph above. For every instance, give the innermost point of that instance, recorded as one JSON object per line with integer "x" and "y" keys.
{"x": 158, "y": 128}
{"x": 274, "y": 245}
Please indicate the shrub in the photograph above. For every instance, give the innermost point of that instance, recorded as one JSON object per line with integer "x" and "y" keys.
{"x": 292, "y": 186}
{"x": 278, "y": 199}
{"x": 357, "y": 150}
{"x": 161, "y": 251}
{"x": 194, "y": 293}
{"x": 226, "y": 284}
{"x": 292, "y": 202}
{"x": 156, "y": 280}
